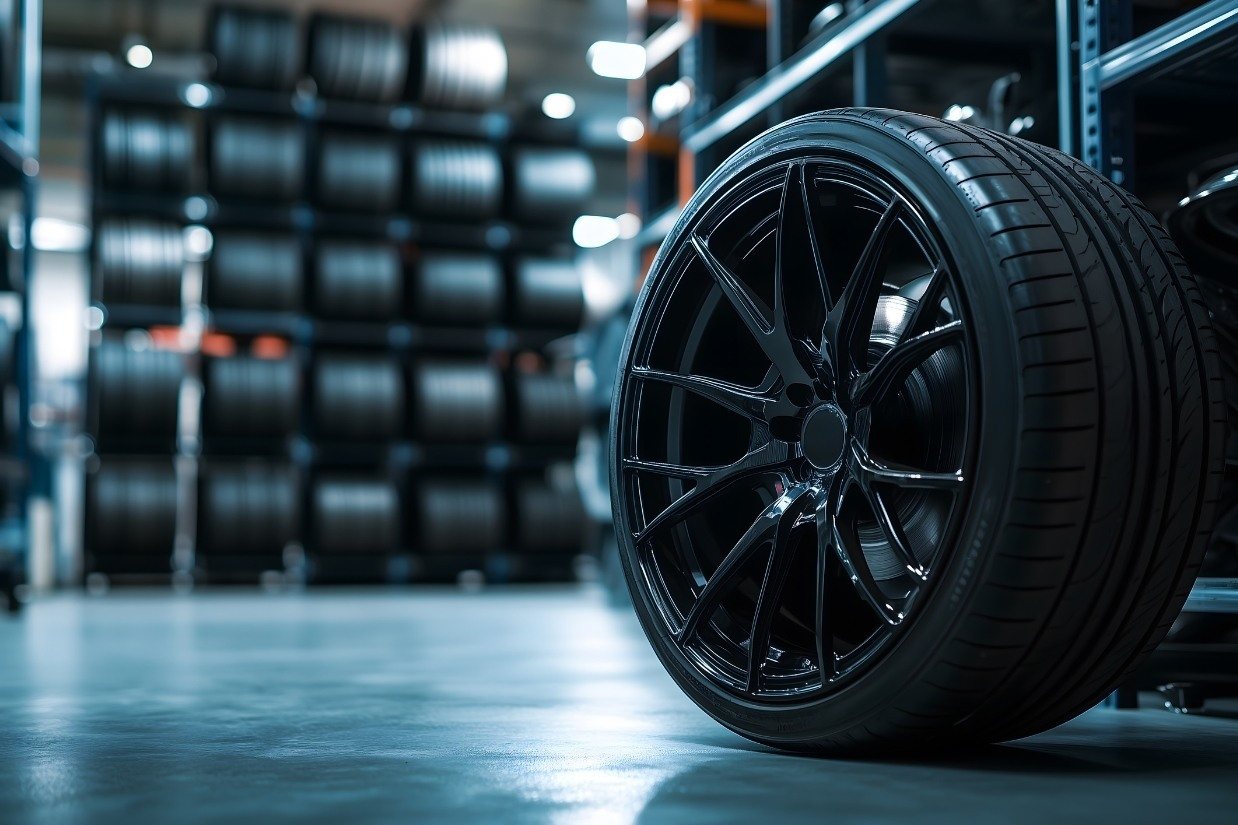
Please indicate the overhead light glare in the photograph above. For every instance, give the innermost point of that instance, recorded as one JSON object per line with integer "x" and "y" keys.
{"x": 671, "y": 99}
{"x": 558, "y": 105}
{"x": 592, "y": 231}
{"x": 139, "y": 56}
{"x": 610, "y": 58}
{"x": 630, "y": 128}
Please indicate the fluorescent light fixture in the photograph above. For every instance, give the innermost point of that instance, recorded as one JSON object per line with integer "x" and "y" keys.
{"x": 558, "y": 105}
{"x": 139, "y": 56}
{"x": 630, "y": 128}
{"x": 610, "y": 58}
{"x": 592, "y": 231}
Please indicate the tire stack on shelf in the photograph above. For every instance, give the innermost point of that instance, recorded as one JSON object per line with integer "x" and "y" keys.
{"x": 135, "y": 371}
{"x": 386, "y": 268}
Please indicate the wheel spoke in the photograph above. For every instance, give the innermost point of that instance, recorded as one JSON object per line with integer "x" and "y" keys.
{"x": 731, "y": 568}
{"x": 798, "y": 247}
{"x": 849, "y": 323}
{"x": 870, "y": 471}
{"x": 710, "y": 481}
{"x": 663, "y": 468}
{"x": 747, "y": 401}
{"x": 769, "y": 599}
{"x": 897, "y": 363}
{"x": 773, "y": 338}
{"x": 822, "y": 628}
{"x": 924, "y": 316}
{"x": 747, "y": 305}
{"x": 892, "y": 527}
{"x": 856, "y": 564}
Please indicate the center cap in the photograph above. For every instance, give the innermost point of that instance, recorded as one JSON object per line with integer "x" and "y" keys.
{"x": 825, "y": 437}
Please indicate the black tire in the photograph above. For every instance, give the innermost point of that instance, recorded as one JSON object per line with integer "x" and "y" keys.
{"x": 1089, "y": 458}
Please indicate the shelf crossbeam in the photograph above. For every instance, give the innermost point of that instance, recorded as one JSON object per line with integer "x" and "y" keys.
{"x": 798, "y": 70}
{"x": 1170, "y": 45}
{"x": 1213, "y": 596}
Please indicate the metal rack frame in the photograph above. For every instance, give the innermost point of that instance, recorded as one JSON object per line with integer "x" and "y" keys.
{"x": 26, "y": 471}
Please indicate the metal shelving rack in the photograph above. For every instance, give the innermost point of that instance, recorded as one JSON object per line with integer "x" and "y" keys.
{"x": 22, "y": 473}
{"x": 1102, "y": 56}
{"x": 304, "y": 333}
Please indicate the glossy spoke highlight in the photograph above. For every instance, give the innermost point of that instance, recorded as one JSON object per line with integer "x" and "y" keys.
{"x": 762, "y": 531}
{"x": 870, "y": 471}
{"x": 747, "y": 401}
{"x": 764, "y": 459}
{"x": 900, "y": 360}
{"x": 850, "y": 320}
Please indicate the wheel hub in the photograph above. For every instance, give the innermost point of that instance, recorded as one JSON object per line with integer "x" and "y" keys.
{"x": 825, "y": 437}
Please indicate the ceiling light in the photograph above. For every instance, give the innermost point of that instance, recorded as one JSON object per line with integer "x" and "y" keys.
{"x": 592, "y": 231}
{"x": 957, "y": 112}
{"x": 139, "y": 56}
{"x": 630, "y": 128}
{"x": 196, "y": 95}
{"x": 609, "y": 58}
{"x": 558, "y": 105}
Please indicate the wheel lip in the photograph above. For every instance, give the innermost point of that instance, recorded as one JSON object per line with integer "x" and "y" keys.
{"x": 937, "y": 196}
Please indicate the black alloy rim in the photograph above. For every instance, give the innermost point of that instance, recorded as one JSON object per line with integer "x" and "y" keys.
{"x": 795, "y": 427}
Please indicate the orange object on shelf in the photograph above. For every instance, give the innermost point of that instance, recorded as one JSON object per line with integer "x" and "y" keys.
{"x": 728, "y": 12}
{"x": 166, "y": 337}
{"x": 269, "y": 346}
{"x": 218, "y": 345}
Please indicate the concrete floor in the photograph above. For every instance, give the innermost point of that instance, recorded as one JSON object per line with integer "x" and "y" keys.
{"x": 507, "y": 706}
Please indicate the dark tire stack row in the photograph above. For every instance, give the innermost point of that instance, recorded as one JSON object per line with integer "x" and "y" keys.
{"x": 257, "y": 158}
{"x": 357, "y": 59}
{"x": 464, "y": 288}
{"x": 131, "y": 512}
{"x": 355, "y": 515}
{"x": 358, "y": 398}
{"x": 359, "y": 172}
{"x": 358, "y": 281}
{"x": 139, "y": 261}
{"x": 249, "y": 509}
{"x": 136, "y": 392}
{"x": 254, "y": 48}
{"x": 255, "y": 271}
{"x": 439, "y": 65}
{"x": 546, "y": 409}
{"x": 459, "y": 67}
{"x": 146, "y": 150}
{"x": 460, "y": 517}
{"x": 249, "y": 397}
{"x": 455, "y": 179}
{"x": 550, "y": 184}
{"x": 457, "y": 401}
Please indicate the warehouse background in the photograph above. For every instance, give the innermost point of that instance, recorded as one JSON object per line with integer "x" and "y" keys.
{"x": 309, "y": 316}
{"x": 275, "y": 341}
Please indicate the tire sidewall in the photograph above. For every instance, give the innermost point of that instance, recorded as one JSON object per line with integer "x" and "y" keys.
{"x": 995, "y": 430}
